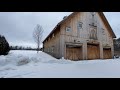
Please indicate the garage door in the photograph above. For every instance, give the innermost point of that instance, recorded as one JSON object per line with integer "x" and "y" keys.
{"x": 107, "y": 53}
{"x": 93, "y": 52}
{"x": 74, "y": 53}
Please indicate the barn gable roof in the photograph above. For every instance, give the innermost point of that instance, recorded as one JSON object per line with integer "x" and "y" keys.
{"x": 107, "y": 24}
{"x": 101, "y": 15}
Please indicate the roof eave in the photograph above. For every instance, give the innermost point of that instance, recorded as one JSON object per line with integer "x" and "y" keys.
{"x": 113, "y": 34}
{"x": 59, "y": 25}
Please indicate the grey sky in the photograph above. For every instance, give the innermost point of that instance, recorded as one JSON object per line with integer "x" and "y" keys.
{"x": 18, "y": 27}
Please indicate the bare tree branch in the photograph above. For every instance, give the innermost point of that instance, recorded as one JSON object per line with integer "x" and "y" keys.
{"x": 37, "y": 35}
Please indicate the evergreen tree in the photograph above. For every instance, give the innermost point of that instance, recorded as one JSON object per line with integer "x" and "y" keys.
{"x": 4, "y": 46}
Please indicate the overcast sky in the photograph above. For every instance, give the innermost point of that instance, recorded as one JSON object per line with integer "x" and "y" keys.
{"x": 18, "y": 27}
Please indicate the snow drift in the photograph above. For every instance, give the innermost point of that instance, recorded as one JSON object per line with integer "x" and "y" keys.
{"x": 29, "y": 64}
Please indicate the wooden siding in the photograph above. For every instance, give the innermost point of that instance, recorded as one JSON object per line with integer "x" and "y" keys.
{"x": 94, "y": 31}
{"x": 93, "y": 51}
{"x": 107, "y": 53}
{"x": 74, "y": 53}
{"x": 52, "y": 46}
{"x": 104, "y": 37}
{"x": 84, "y": 33}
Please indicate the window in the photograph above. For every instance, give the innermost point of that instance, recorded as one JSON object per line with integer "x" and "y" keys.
{"x": 93, "y": 32}
{"x": 53, "y": 35}
{"x": 48, "y": 50}
{"x": 79, "y": 26}
{"x": 68, "y": 29}
{"x": 103, "y": 31}
{"x": 52, "y": 49}
{"x": 49, "y": 38}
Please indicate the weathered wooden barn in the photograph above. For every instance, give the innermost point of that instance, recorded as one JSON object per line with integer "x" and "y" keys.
{"x": 81, "y": 36}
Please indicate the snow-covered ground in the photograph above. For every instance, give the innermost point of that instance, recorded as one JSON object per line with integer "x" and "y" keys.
{"x": 29, "y": 64}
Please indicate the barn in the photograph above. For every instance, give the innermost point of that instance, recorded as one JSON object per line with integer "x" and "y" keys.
{"x": 81, "y": 36}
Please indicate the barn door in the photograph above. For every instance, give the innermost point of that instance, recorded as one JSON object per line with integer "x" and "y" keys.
{"x": 77, "y": 53}
{"x": 107, "y": 54}
{"x": 74, "y": 53}
{"x": 69, "y": 53}
{"x": 93, "y": 52}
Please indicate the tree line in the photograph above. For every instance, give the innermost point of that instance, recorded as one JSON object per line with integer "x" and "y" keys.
{"x": 23, "y": 48}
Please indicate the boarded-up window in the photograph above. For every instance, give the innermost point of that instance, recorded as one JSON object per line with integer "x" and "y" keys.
{"x": 79, "y": 25}
{"x": 93, "y": 32}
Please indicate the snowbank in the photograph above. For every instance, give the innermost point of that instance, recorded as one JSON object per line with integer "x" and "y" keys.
{"x": 29, "y": 64}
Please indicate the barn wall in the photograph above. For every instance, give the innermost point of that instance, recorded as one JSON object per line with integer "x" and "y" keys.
{"x": 56, "y": 46}
{"x": 52, "y": 45}
{"x": 105, "y": 37}
{"x": 74, "y": 36}
{"x": 84, "y": 33}
{"x": 82, "y": 36}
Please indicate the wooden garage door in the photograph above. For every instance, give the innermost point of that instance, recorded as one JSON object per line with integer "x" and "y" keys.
{"x": 107, "y": 53}
{"x": 74, "y": 53}
{"x": 93, "y": 52}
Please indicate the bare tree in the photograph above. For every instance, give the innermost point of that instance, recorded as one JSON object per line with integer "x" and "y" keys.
{"x": 37, "y": 35}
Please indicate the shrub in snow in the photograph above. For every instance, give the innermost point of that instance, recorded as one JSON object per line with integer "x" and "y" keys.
{"x": 23, "y": 61}
{"x": 4, "y": 46}
{"x": 35, "y": 60}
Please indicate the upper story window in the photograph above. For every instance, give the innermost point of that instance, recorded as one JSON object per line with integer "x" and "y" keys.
{"x": 79, "y": 26}
{"x": 68, "y": 29}
{"x": 53, "y": 35}
{"x": 93, "y": 32}
{"x": 103, "y": 31}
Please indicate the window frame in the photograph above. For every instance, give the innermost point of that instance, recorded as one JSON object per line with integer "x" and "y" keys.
{"x": 80, "y": 25}
{"x": 68, "y": 28}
